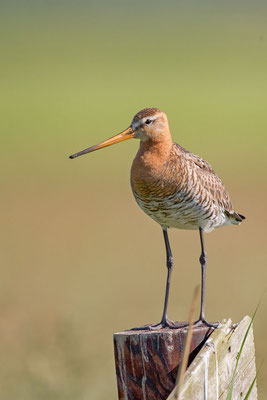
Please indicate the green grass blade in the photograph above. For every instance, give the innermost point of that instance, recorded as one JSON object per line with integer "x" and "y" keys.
{"x": 230, "y": 391}
{"x": 252, "y": 383}
{"x": 250, "y": 388}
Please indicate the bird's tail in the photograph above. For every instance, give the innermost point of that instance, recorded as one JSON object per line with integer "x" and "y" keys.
{"x": 234, "y": 217}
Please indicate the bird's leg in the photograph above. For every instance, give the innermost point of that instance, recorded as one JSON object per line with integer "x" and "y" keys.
{"x": 169, "y": 264}
{"x": 165, "y": 322}
{"x": 203, "y": 262}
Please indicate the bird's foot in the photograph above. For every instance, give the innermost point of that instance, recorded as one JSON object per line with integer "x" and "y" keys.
{"x": 201, "y": 321}
{"x": 161, "y": 325}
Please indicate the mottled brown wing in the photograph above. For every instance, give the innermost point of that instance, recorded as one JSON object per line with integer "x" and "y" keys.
{"x": 215, "y": 186}
{"x": 198, "y": 161}
{"x": 213, "y": 183}
{"x": 210, "y": 180}
{"x": 203, "y": 165}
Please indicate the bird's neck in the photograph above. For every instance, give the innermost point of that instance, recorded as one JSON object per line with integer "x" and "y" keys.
{"x": 159, "y": 148}
{"x": 152, "y": 154}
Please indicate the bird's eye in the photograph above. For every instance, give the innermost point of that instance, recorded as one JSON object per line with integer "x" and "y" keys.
{"x": 148, "y": 121}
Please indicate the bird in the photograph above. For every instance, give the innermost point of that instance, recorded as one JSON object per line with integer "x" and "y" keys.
{"x": 177, "y": 189}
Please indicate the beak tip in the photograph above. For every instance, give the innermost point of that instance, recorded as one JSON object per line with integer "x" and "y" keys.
{"x": 126, "y": 134}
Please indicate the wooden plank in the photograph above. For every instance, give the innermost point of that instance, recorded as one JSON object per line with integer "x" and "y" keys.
{"x": 147, "y": 361}
{"x": 209, "y": 375}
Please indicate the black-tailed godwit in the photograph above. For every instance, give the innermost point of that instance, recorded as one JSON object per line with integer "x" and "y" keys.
{"x": 175, "y": 187}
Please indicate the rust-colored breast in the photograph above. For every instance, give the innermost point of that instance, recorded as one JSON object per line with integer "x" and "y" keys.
{"x": 179, "y": 189}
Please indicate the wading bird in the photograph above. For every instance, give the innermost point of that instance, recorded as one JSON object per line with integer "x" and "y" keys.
{"x": 176, "y": 188}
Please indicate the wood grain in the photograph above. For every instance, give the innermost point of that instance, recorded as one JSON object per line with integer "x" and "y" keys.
{"x": 147, "y": 361}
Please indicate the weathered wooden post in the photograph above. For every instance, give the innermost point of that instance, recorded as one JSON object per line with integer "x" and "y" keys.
{"x": 147, "y": 363}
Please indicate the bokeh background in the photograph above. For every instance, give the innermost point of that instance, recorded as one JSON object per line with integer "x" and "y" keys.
{"x": 79, "y": 259}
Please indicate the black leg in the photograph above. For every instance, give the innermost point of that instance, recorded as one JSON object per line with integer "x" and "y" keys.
{"x": 203, "y": 262}
{"x": 165, "y": 323}
{"x": 169, "y": 263}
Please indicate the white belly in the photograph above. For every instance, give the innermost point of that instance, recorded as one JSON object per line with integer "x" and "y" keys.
{"x": 182, "y": 215}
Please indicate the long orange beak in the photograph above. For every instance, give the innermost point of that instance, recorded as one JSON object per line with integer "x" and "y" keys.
{"x": 125, "y": 135}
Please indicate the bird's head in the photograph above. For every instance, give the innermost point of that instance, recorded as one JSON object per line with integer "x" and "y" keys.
{"x": 148, "y": 124}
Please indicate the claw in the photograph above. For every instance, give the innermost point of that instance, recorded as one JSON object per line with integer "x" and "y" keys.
{"x": 161, "y": 325}
{"x": 202, "y": 321}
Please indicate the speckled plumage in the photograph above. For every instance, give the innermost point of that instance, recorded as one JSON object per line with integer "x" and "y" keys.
{"x": 176, "y": 187}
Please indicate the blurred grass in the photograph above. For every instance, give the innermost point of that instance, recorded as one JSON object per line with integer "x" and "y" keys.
{"x": 77, "y": 255}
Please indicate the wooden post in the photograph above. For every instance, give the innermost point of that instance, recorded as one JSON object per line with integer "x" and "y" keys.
{"x": 147, "y": 363}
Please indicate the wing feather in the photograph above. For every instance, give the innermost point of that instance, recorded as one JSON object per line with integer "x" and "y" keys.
{"x": 209, "y": 180}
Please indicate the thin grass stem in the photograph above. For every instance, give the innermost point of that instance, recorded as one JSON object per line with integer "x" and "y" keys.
{"x": 175, "y": 394}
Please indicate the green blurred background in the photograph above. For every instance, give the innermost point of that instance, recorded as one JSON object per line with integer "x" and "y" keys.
{"x": 79, "y": 259}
